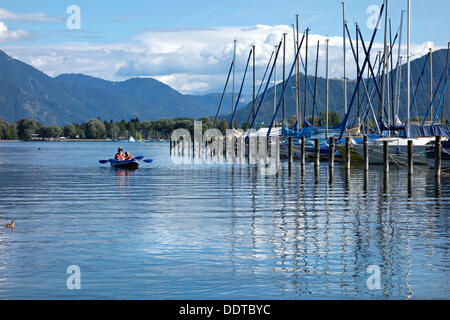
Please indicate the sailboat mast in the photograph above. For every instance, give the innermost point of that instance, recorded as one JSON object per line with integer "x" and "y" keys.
{"x": 391, "y": 68}
{"x": 234, "y": 73}
{"x": 326, "y": 121}
{"x": 315, "y": 83}
{"x": 284, "y": 74}
{"x": 388, "y": 87}
{"x": 408, "y": 77}
{"x": 253, "y": 102}
{"x": 398, "y": 73}
{"x": 343, "y": 48}
{"x": 306, "y": 74}
{"x": 275, "y": 85}
{"x": 431, "y": 84}
{"x": 446, "y": 76}
{"x": 357, "y": 69}
{"x": 296, "y": 74}
{"x": 385, "y": 59}
{"x": 299, "y": 111}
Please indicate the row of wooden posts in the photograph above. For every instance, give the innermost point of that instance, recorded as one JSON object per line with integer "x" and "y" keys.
{"x": 257, "y": 149}
{"x": 347, "y": 160}
{"x": 180, "y": 150}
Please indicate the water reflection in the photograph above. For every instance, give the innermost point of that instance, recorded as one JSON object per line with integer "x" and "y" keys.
{"x": 123, "y": 177}
{"x": 223, "y": 231}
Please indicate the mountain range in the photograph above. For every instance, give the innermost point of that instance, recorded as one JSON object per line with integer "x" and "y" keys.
{"x": 26, "y": 92}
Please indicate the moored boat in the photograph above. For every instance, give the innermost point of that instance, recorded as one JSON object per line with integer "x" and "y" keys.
{"x": 398, "y": 150}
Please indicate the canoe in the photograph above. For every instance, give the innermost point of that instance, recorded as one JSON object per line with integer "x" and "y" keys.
{"x": 126, "y": 164}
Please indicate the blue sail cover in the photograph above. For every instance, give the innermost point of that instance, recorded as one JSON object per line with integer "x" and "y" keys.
{"x": 446, "y": 145}
{"x": 390, "y": 127}
{"x": 429, "y": 131}
{"x": 311, "y": 132}
{"x": 418, "y": 131}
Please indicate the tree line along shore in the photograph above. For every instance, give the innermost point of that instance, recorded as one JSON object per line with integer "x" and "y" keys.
{"x": 97, "y": 129}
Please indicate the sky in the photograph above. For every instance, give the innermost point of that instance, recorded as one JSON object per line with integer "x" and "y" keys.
{"x": 189, "y": 44}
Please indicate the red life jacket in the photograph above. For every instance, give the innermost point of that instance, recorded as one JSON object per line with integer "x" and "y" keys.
{"x": 119, "y": 156}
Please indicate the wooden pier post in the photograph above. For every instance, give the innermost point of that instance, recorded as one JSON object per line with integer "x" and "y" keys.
{"x": 219, "y": 152}
{"x": 303, "y": 156}
{"x": 316, "y": 152}
{"x": 410, "y": 157}
{"x": 257, "y": 149}
{"x": 267, "y": 150}
{"x": 290, "y": 151}
{"x": 200, "y": 145}
{"x": 386, "y": 155}
{"x": 437, "y": 155}
{"x": 212, "y": 142}
{"x": 230, "y": 152}
{"x": 241, "y": 150}
{"x": 332, "y": 152}
{"x": 184, "y": 146}
{"x": 347, "y": 153}
{"x": 366, "y": 153}
{"x": 170, "y": 145}
{"x": 277, "y": 151}
{"x": 189, "y": 147}
{"x": 250, "y": 146}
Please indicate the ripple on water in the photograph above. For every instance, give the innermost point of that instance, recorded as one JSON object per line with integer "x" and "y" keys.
{"x": 222, "y": 231}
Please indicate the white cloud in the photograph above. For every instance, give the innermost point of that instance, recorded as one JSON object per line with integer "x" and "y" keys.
{"x": 35, "y": 17}
{"x": 190, "y": 60}
{"x": 12, "y": 35}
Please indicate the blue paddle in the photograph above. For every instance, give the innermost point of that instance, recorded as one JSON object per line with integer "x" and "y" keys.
{"x": 103, "y": 161}
{"x": 148, "y": 160}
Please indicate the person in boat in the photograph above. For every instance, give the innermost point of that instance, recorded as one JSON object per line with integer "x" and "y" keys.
{"x": 119, "y": 155}
{"x": 128, "y": 156}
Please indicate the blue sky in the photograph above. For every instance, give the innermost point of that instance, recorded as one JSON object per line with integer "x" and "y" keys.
{"x": 187, "y": 44}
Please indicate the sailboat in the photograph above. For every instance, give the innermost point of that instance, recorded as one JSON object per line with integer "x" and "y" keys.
{"x": 131, "y": 139}
{"x": 422, "y": 136}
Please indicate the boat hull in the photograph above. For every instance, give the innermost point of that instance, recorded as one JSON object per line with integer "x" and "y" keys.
{"x": 128, "y": 164}
{"x": 397, "y": 154}
{"x": 309, "y": 152}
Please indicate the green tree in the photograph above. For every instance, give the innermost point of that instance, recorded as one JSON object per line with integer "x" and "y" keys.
{"x": 8, "y": 131}
{"x": 95, "y": 129}
{"x": 50, "y": 131}
{"x": 334, "y": 118}
{"x": 26, "y": 127}
{"x": 70, "y": 131}
{"x": 222, "y": 125}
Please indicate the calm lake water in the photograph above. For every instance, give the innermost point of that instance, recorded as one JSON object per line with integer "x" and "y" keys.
{"x": 168, "y": 231}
